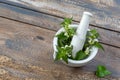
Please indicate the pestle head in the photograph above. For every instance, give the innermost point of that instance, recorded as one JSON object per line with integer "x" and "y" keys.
{"x": 88, "y": 13}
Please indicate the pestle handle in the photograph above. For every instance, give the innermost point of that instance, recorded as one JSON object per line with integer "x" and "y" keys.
{"x": 84, "y": 24}
{"x": 78, "y": 40}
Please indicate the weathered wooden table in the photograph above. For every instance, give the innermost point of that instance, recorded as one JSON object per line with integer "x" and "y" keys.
{"x": 27, "y": 28}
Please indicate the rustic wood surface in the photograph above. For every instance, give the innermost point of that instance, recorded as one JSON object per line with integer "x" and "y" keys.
{"x": 26, "y": 52}
{"x": 27, "y": 28}
{"x": 106, "y": 11}
{"x": 40, "y": 19}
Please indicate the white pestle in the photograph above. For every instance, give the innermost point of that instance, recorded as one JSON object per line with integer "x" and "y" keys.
{"x": 78, "y": 40}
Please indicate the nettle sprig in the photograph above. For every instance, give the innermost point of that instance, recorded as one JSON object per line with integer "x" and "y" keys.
{"x": 64, "y": 49}
{"x": 91, "y": 41}
{"x": 64, "y": 39}
{"x": 102, "y": 71}
{"x": 69, "y": 32}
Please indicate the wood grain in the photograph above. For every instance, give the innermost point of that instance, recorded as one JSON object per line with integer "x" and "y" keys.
{"x": 51, "y": 22}
{"x": 28, "y": 16}
{"x": 26, "y": 50}
{"x": 27, "y": 54}
{"x": 106, "y": 12}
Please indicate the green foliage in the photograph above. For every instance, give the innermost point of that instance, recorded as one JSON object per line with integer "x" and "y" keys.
{"x": 102, "y": 71}
{"x": 80, "y": 55}
{"x": 92, "y": 35}
{"x": 65, "y": 24}
{"x": 64, "y": 40}
{"x": 98, "y": 45}
{"x": 63, "y": 53}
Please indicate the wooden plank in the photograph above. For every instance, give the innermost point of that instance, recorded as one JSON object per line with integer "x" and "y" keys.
{"x": 26, "y": 53}
{"x": 106, "y": 12}
{"x": 51, "y": 22}
{"x": 28, "y": 16}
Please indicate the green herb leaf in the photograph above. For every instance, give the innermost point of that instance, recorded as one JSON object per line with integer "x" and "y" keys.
{"x": 80, "y": 55}
{"x": 71, "y": 31}
{"x": 58, "y": 56}
{"x": 94, "y": 33}
{"x": 60, "y": 53}
{"x": 98, "y": 45}
{"x": 61, "y": 35}
{"x": 63, "y": 53}
{"x": 61, "y": 39}
{"x": 65, "y": 58}
{"x": 65, "y": 24}
{"x": 102, "y": 71}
